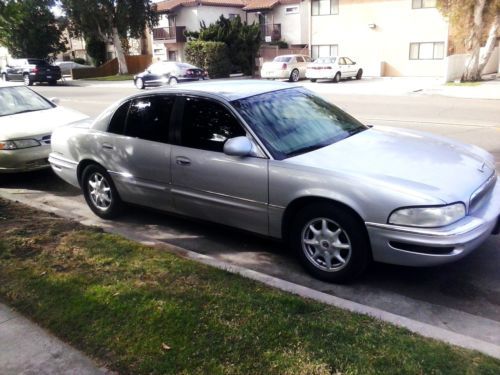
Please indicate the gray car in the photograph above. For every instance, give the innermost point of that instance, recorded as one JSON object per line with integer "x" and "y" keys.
{"x": 278, "y": 160}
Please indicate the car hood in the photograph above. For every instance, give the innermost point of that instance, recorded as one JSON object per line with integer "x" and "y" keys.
{"x": 36, "y": 123}
{"x": 432, "y": 165}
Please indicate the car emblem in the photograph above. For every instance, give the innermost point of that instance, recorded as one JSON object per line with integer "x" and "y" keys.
{"x": 481, "y": 168}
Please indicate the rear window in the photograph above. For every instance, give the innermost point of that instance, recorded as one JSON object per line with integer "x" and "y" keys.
{"x": 38, "y": 62}
{"x": 282, "y": 59}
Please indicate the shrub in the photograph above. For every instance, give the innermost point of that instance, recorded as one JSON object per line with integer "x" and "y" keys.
{"x": 79, "y": 60}
{"x": 212, "y": 56}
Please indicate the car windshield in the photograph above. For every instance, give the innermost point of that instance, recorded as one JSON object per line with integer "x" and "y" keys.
{"x": 325, "y": 60}
{"x": 295, "y": 121}
{"x": 282, "y": 59}
{"x": 14, "y": 100}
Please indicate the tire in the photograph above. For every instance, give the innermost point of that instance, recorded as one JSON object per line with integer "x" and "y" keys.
{"x": 27, "y": 80}
{"x": 336, "y": 79}
{"x": 359, "y": 74}
{"x": 294, "y": 76}
{"x": 139, "y": 83}
{"x": 313, "y": 80}
{"x": 105, "y": 202}
{"x": 172, "y": 81}
{"x": 321, "y": 257}
{"x": 4, "y": 77}
{"x": 53, "y": 82}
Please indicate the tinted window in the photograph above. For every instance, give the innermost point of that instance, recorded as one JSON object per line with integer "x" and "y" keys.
{"x": 207, "y": 125}
{"x": 38, "y": 62}
{"x": 149, "y": 118}
{"x": 117, "y": 123}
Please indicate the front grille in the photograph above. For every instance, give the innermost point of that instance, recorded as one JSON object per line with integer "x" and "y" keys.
{"x": 481, "y": 193}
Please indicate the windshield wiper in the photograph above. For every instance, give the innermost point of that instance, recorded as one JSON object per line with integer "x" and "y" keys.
{"x": 303, "y": 150}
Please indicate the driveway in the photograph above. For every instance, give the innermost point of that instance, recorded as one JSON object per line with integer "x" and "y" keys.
{"x": 463, "y": 297}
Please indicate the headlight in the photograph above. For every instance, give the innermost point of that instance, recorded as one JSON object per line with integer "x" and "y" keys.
{"x": 428, "y": 217}
{"x": 17, "y": 144}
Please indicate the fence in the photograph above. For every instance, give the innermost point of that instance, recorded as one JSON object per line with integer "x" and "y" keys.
{"x": 135, "y": 64}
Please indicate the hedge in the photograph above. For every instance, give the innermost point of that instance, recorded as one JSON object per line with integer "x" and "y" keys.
{"x": 212, "y": 56}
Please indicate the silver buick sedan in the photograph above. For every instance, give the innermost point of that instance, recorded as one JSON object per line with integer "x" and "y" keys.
{"x": 280, "y": 161}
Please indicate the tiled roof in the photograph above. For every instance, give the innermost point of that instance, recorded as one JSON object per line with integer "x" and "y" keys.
{"x": 267, "y": 4}
{"x": 169, "y": 5}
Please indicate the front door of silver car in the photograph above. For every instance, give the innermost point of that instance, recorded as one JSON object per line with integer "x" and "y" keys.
{"x": 209, "y": 184}
{"x": 142, "y": 152}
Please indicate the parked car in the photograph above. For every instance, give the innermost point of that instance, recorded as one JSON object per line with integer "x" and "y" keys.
{"x": 168, "y": 72}
{"x": 30, "y": 71}
{"x": 278, "y": 160}
{"x": 27, "y": 120}
{"x": 333, "y": 68}
{"x": 67, "y": 66}
{"x": 291, "y": 67}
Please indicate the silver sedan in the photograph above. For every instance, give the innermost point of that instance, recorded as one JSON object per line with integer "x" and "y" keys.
{"x": 280, "y": 161}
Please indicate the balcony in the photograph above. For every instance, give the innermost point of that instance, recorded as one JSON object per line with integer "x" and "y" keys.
{"x": 272, "y": 30}
{"x": 171, "y": 34}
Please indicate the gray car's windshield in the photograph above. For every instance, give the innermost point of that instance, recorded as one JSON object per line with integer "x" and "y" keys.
{"x": 14, "y": 100}
{"x": 294, "y": 121}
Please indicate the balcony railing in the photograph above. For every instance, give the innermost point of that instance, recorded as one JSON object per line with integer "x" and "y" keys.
{"x": 171, "y": 33}
{"x": 272, "y": 30}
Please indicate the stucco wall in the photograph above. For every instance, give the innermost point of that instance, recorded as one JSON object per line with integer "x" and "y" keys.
{"x": 396, "y": 26}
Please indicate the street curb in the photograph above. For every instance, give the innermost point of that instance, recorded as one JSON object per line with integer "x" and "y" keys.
{"x": 423, "y": 329}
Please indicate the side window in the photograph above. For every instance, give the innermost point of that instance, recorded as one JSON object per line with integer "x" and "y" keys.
{"x": 341, "y": 61}
{"x": 348, "y": 60}
{"x": 207, "y": 125}
{"x": 149, "y": 118}
{"x": 300, "y": 59}
{"x": 117, "y": 123}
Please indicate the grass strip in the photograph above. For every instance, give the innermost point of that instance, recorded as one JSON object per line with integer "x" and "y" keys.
{"x": 113, "y": 78}
{"x": 142, "y": 310}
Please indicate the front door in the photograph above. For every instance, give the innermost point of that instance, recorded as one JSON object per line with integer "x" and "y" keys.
{"x": 208, "y": 184}
{"x": 140, "y": 151}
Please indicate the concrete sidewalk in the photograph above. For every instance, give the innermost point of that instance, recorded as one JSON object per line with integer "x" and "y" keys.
{"x": 26, "y": 349}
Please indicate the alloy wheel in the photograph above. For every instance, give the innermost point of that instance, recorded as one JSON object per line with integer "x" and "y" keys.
{"x": 99, "y": 191}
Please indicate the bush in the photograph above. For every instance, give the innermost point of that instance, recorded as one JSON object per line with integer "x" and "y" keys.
{"x": 79, "y": 60}
{"x": 280, "y": 44}
{"x": 212, "y": 56}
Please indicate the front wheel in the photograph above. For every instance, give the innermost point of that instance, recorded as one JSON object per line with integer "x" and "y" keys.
{"x": 27, "y": 80}
{"x": 330, "y": 242}
{"x": 173, "y": 81}
{"x": 100, "y": 192}
{"x": 294, "y": 76}
{"x": 359, "y": 74}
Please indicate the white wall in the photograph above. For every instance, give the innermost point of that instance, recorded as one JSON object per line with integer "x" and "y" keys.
{"x": 455, "y": 65}
{"x": 397, "y": 25}
{"x": 290, "y": 24}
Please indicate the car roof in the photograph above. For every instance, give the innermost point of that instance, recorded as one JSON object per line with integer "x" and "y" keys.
{"x": 229, "y": 90}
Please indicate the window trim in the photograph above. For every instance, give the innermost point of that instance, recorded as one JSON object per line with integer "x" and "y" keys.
{"x": 330, "y": 7}
{"x": 433, "y": 49}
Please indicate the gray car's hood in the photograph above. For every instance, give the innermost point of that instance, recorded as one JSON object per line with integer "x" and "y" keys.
{"x": 432, "y": 165}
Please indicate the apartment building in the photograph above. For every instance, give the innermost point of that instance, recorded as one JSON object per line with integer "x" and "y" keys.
{"x": 386, "y": 37}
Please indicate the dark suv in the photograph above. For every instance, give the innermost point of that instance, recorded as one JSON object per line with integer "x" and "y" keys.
{"x": 30, "y": 71}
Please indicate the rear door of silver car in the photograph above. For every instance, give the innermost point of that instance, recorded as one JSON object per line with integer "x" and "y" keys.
{"x": 208, "y": 184}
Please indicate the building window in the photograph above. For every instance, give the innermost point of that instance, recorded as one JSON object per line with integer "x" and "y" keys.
{"x": 419, "y": 4}
{"x": 325, "y": 50}
{"x": 325, "y": 7}
{"x": 292, "y": 10}
{"x": 427, "y": 51}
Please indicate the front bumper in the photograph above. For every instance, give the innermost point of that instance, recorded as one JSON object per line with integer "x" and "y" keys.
{"x": 24, "y": 160}
{"x": 428, "y": 247}
{"x": 275, "y": 74}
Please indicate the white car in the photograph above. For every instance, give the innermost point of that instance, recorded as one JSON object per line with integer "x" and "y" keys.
{"x": 291, "y": 67}
{"x": 27, "y": 120}
{"x": 333, "y": 68}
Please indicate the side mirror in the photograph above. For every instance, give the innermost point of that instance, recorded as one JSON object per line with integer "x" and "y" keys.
{"x": 55, "y": 100}
{"x": 238, "y": 146}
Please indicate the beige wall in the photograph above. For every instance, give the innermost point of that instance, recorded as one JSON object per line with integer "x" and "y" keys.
{"x": 397, "y": 25}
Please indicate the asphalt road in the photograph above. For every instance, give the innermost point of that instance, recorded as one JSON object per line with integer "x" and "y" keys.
{"x": 463, "y": 296}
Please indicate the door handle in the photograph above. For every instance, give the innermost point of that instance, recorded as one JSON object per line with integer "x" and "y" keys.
{"x": 181, "y": 160}
{"x": 107, "y": 146}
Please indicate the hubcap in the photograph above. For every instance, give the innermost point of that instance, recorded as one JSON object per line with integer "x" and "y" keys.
{"x": 139, "y": 83}
{"x": 100, "y": 191}
{"x": 326, "y": 245}
{"x": 295, "y": 75}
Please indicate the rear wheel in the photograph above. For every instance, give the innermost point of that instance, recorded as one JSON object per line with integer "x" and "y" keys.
{"x": 336, "y": 78}
{"x": 359, "y": 74}
{"x": 139, "y": 83}
{"x": 330, "y": 242}
{"x": 100, "y": 192}
{"x": 27, "y": 80}
{"x": 53, "y": 82}
{"x": 294, "y": 76}
{"x": 313, "y": 80}
{"x": 4, "y": 77}
{"x": 173, "y": 81}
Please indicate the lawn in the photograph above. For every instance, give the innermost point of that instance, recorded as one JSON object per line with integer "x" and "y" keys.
{"x": 141, "y": 310}
{"x": 116, "y": 77}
